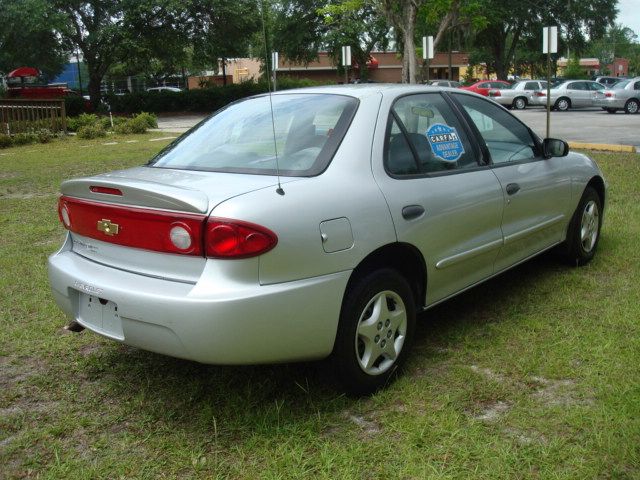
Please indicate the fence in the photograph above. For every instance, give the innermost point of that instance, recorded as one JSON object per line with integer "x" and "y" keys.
{"x": 21, "y": 115}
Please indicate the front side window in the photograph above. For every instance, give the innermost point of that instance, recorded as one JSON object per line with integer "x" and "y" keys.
{"x": 425, "y": 136}
{"x": 507, "y": 139}
{"x": 531, "y": 86}
{"x": 304, "y": 132}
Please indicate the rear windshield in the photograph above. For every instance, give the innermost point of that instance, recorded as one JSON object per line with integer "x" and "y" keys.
{"x": 620, "y": 85}
{"x": 242, "y": 138}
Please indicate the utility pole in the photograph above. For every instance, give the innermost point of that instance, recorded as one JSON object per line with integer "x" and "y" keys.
{"x": 346, "y": 62}
{"x": 79, "y": 74}
{"x": 427, "y": 51}
{"x": 549, "y": 46}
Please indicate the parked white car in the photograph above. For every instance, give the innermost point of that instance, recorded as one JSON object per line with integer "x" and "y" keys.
{"x": 164, "y": 89}
{"x": 316, "y": 223}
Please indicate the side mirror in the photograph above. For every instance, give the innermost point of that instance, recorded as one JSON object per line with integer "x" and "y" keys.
{"x": 553, "y": 147}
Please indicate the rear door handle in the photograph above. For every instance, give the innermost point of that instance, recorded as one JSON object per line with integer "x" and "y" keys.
{"x": 512, "y": 188}
{"x": 412, "y": 211}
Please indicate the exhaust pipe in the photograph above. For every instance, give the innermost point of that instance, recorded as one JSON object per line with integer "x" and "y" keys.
{"x": 74, "y": 327}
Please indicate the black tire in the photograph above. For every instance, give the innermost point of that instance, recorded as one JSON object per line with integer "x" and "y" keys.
{"x": 610, "y": 110}
{"x": 632, "y": 106}
{"x": 358, "y": 310}
{"x": 519, "y": 103}
{"x": 578, "y": 251}
{"x": 562, "y": 104}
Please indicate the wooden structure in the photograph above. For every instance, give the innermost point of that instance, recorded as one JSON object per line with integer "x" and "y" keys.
{"x": 19, "y": 115}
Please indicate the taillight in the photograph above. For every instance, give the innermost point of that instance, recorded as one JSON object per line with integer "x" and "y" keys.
{"x": 157, "y": 230}
{"x": 609, "y": 94}
{"x": 495, "y": 93}
{"x": 540, "y": 94}
{"x": 236, "y": 239}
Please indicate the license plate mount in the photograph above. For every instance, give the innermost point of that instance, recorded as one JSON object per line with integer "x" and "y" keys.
{"x": 100, "y": 315}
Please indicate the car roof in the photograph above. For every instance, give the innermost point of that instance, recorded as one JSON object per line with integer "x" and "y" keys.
{"x": 367, "y": 89}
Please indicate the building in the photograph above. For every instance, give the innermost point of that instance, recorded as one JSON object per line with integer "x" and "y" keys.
{"x": 383, "y": 67}
{"x": 592, "y": 67}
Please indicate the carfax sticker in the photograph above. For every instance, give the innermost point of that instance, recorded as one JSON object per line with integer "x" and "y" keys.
{"x": 445, "y": 142}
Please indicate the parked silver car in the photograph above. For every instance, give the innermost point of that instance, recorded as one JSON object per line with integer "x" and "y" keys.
{"x": 571, "y": 94}
{"x": 316, "y": 223}
{"x": 519, "y": 95}
{"x": 444, "y": 83}
{"x": 624, "y": 95}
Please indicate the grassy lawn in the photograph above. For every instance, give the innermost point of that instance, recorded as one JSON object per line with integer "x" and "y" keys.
{"x": 535, "y": 374}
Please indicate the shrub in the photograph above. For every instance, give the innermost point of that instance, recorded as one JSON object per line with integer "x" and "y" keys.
{"x": 74, "y": 105}
{"x": 25, "y": 138}
{"x": 91, "y": 131}
{"x": 149, "y": 118}
{"x": 133, "y": 125}
{"x": 44, "y": 135}
{"x": 5, "y": 141}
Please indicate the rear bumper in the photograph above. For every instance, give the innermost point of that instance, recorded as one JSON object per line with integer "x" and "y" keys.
{"x": 609, "y": 103}
{"x": 235, "y": 323}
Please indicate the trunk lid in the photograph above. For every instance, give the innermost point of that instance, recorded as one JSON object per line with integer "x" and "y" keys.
{"x": 177, "y": 192}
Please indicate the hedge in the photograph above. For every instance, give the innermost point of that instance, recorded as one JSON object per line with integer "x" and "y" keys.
{"x": 200, "y": 100}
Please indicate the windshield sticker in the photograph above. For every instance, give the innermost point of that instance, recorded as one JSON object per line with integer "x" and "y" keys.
{"x": 445, "y": 142}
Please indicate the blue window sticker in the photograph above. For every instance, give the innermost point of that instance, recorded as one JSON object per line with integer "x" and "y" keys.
{"x": 445, "y": 142}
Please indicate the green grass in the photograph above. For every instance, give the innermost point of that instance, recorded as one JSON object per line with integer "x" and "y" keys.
{"x": 534, "y": 374}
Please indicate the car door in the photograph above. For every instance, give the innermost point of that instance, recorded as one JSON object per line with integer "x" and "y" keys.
{"x": 597, "y": 92}
{"x": 442, "y": 198}
{"x": 483, "y": 88}
{"x": 579, "y": 94}
{"x": 537, "y": 191}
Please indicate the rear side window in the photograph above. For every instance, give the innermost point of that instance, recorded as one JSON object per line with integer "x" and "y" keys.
{"x": 531, "y": 86}
{"x": 636, "y": 86}
{"x": 308, "y": 129}
{"x": 596, "y": 86}
{"x": 425, "y": 136}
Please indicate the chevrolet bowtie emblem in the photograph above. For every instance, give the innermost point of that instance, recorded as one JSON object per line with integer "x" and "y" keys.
{"x": 107, "y": 227}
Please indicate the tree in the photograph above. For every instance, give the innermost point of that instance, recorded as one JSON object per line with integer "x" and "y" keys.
{"x": 28, "y": 38}
{"x": 618, "y": 42}
{"x": 358, "y": 24}
{"x": 510, "y": 24}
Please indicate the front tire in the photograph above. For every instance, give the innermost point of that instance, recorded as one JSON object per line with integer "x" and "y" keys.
{"x": 375, "y": 333}
{"x": 584, "y": 230}
{"x": 632, "y": 106}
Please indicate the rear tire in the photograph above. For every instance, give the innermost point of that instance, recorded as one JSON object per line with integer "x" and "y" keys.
{"x": 375, "y": 333}
{"x": 584, "y": 230}
{"x": 519, "y": 103}
{"x": 610, "y": 110}
{"x": 563, "y": 104}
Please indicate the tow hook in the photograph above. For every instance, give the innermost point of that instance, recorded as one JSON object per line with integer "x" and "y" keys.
{"x": 74, "y": 327}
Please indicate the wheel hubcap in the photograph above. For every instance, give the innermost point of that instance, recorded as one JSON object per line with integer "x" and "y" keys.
{"x": 519, "y": 104}
{"x": 381, "y": 332}
{"x": 633, "y": 107}
{"x": 589, "y": 226}
{"x": 563, "y": 105}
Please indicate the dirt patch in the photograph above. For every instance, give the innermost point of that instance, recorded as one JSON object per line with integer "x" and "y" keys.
{"x": 489, "y": 374}
{"x": 24, "y": 196}
{"x": 525, "y": 438}
{"x": 493, "y": 411}
{"x": 7, "y": 175}
{"x": 558, "y": 392}
{"x": 368, "y": 427}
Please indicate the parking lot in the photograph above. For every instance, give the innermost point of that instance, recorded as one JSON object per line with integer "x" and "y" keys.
{"x": 589, "y": 125}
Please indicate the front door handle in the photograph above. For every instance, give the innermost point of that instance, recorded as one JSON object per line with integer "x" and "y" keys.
{"x": 512, "y": 188}
{"x": 412, "y": 211}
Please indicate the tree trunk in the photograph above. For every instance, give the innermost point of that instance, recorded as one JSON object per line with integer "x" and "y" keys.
{"x": 95, "y": 79}
{"x": 409, "y": 63}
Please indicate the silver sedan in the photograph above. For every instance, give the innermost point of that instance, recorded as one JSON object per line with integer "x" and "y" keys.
{"x": 317, "y": 223}
{"x": 519, "y": 96}
{"x": 571, "y": 94}
{"x": 624, "y": 95}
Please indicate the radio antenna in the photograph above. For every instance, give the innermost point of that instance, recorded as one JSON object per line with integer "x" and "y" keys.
{"x": 279, "y": 190}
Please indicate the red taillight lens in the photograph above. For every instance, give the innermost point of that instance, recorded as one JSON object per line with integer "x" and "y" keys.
{"x": 495, "y": 93}
{"x": 609, "y": 94}
{"x": 540, "y": 94}
{"x": 235, "y": 239}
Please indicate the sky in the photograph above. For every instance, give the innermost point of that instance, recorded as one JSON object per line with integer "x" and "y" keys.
{"x": 629, "y": 14}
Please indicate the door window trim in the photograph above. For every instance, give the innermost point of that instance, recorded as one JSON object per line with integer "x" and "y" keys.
{"x": 480, "y": 140}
